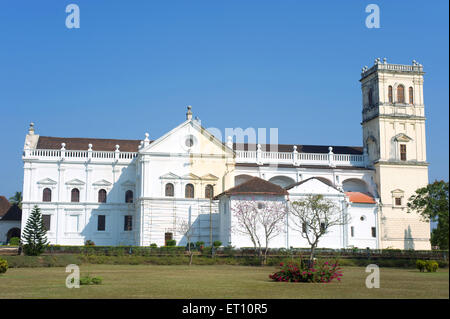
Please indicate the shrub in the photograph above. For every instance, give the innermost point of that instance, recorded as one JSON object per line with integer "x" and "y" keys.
{"x": 96, "y": 280}
{"x": 88, "y": 280}
{"x": 432, "y": 266}
{"x": 217, "y": 243}
{"x": 3, "y": 266}
{"x": 89, "y": 243}
{"x": 421, "y": 265}
{"x": 171, "y": 243}
{"x": 319, "y": 272}
{"x": 153, "y": 245}
{"x": 199, "y": 244}
{"x": 14, "y": 241}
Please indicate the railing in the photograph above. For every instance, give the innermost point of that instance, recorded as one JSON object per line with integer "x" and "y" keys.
{"x": 258, "y": 157}
{"x": 294, "y": 158}
{"x": 393, "y": 67}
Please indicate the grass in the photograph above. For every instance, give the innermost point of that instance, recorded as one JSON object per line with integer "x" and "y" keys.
{"x": 215, "y": 281}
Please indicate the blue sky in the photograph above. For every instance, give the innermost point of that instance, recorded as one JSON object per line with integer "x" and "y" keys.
{"x": 133, "y": 66}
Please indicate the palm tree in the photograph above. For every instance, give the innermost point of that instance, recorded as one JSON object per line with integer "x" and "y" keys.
{"x": 16, "y": 199}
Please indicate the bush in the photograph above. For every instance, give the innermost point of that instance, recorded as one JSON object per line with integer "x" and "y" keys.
{"x": 88, "y": 280}
{"x": 3, "y": 266}
{"x": 89, "y": 243}
{"x": 217, "y": 243}
{"x": 14, "y": 241}
{"x": 153, "y": 245}
{"x": 171, "y": 243}
{"x": 319, "y": 272}
{"x": 421, "y": 265}
{"x": 199, "y": 244}
{"x": 432, "y": 266}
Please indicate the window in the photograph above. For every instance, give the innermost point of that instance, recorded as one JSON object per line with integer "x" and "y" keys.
{"x": 403, "y": 152}
{"x": 169, "y": 190}
{"x": 390, "y": 97}
{"x": 102, "y": 196}
{"x": 47, "y": 195}
{"x": 189, "y": 191}
{"x": 304, "y": 228}
{"x": 374, "y": 232}
{"x": 128, "y": 196}
{"x": 167, "y": 237}
{"x": 101, "y": 222}
{"x": 322, "y": 227}
{"x": 398, "y": 201}
{"x": 209, "y": 191}
{"x": 401, "y": 94}
{"x": 411, "y": 95}
{"x": 352, "y": 231}
{"x": 46, "y": 220}
{"x": 128, "y": 224}
{"x": 75, "y": 195}
{"x": 370, "y": 97}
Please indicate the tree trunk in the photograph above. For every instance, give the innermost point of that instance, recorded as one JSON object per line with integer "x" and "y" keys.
{"x": 311, "y": 256}
{"x": 191, "y": 254}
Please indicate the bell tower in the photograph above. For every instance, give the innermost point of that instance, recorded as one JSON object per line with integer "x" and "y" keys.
{"x": 393, "y": 121}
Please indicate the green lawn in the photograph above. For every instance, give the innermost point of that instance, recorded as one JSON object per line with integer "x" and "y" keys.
{"x": 218, "y": 281}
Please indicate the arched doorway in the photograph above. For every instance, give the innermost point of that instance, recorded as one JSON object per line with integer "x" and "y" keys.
{"x": 13, "y": 232}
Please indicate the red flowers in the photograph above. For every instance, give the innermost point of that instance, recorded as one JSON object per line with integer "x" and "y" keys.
{"x": 300, "y": 272}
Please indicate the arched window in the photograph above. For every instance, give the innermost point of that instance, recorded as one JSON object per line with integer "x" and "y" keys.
{"x": 128, "y": 196}
{"x": 411, "y": 95}
{"x": 47, "y": 195}
{"x": 401, "y": 94}
{"x": 209, "y": 191}
{"x": 189, "y": 191}
{"x": 169, "y": 190}
{"x": 75, "y": 195}
{"x": 370, "y": 97}
{"x": 102, "y": 196}
{"x": 390, "y": 97}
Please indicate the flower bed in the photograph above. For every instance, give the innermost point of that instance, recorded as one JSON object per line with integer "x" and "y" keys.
{"x": 319, "y": 272}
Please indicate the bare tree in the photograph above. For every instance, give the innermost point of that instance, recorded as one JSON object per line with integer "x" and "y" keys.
{"x": 314, "y": 216}
{"x": 260, "y": 220}
{"x": 185, "y": 228}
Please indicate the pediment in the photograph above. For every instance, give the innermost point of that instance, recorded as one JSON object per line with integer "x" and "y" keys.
{"x": 397, "y": 191}
{"x": 402, "y": 138}
{"x": 47, "y": 181}
{"x": 75, "y": 181}
{"x": 190, "y": 176}
{"x": 169, "y": 176}
{"x": 176, "y": 142}
{"x": 210, "y": 177}
{"x": 313, "y": 186}
{"x": 102, "y": 182}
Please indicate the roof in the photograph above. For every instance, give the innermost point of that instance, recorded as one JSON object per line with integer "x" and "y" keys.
{"x": 322, "y": 179}
{"x": 300, "y": 148}
{"x": 255, "y": 186}
{"x": 13, "y": 213}
{"x": 4, "y": 205}
{"x": 357, "y": 197}
{"x": 77, "y": 143}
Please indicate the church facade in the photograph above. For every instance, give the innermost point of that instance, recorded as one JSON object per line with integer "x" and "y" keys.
{"x": 136, "y": 192}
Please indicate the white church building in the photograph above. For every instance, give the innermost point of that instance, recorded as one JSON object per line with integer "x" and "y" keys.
{"x": 135, "y": 192}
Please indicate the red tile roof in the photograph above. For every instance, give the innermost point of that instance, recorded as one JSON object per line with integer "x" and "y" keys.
{"x": 357, "y": 197}
{"x": 255, "y": 186}
{"x": 4, "y": 205}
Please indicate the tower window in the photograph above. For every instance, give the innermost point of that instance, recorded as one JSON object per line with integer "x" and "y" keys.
{"x": 189, "y": 191}
{"x": 46, "y": 219}
{"x": 101, "y": 222}
{"x": 128, "y": 223}
{"x": 75, "y": 195}
{"x": 102, "y": 196}
{"x": 169, "y": 190}
{"x": 370, "y": 97}
{"x": 128, "y": 196}
{"x": 403, "y": 152}
{"x": 398, "y": 201}
{"x": 411, "y": 95}
{"x": 401, "y": 94}
{"x": 390, "y": 97}
{"x": 47, "y": 195}
{"x": 352, "y": 231}
{"x": 374, "y": 232}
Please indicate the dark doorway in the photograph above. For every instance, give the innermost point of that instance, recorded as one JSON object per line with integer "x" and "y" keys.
{"x": 13, "y": 232}
{"x": 167, "y": 236}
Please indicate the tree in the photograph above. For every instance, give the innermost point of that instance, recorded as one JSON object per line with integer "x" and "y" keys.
{"x": 16, "y": 199}
{"x": 34, "y": 234}
{"x": 185, "y": 229}
{"x": 261, "y": 221}
{"x": 431, "y": 202}
{"x": 313, "y": 217}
